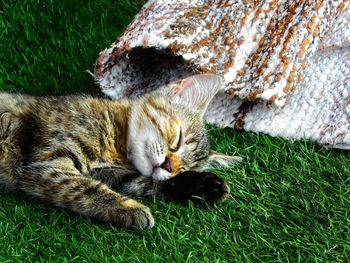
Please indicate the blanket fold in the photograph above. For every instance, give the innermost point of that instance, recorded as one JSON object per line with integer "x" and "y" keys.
{"x": 285, "y": 64}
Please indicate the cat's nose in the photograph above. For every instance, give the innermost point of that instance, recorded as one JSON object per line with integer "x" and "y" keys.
{"x": 166, "y": 165}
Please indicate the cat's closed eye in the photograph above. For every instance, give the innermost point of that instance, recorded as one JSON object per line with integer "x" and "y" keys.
{"x": 175, "y": 146}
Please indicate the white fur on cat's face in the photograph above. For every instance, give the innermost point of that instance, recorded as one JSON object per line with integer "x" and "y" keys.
{"x": 146, "y": 152}
{"x": 148, "y": 143}
{"x": 148, "y": 155}
{"x": 166, "y": 129}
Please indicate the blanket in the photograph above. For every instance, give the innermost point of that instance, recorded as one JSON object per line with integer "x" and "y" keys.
{"x": 285, "y": 64}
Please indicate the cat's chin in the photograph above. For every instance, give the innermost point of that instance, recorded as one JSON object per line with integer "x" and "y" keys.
{"x": 160, "y": 174}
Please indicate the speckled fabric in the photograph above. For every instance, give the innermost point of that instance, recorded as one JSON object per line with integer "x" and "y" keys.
{"x": 285, "y": 64}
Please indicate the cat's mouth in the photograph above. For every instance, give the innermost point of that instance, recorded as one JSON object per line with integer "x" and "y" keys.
{"x": 150, "y": 160}
{"x": 163, "y": 171}
{"x": 159, "y": 174}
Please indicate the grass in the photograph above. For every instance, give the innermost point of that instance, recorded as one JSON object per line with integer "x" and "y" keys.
{"x": 289, "y": 202}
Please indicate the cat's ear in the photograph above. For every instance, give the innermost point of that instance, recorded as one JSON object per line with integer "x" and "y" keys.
{"x": 196, "y": 91}
{"x": 217, "y": 159}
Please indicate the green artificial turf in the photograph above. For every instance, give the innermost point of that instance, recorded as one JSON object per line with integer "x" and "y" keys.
{"x": 289, "y": 201}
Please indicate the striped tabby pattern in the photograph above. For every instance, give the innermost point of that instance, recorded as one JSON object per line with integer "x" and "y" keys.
{"x": 92, "y": 156}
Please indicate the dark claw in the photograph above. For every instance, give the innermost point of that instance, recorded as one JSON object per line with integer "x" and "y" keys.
{"x": 217, "y": 183}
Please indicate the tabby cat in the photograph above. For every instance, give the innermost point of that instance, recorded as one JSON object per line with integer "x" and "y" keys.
{"x": 92, "y": 156}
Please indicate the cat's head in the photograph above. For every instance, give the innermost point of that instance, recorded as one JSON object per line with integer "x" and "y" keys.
{"x": 167, "y": 134}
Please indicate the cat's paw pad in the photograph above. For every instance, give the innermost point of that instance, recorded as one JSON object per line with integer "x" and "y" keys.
{"x": 197, "y": 187}
{"x": 213, "y": 188}
{"x": 134, "y": 214}
{"x": 142, "y": 218}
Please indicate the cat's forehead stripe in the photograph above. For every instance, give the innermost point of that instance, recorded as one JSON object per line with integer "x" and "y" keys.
{"x": 158, "y": 107}
{"x": 152, "y": 118}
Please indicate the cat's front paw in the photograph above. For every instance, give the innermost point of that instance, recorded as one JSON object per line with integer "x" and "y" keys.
{"x": 198, "y": 187}
{"x": 133, "y": 214}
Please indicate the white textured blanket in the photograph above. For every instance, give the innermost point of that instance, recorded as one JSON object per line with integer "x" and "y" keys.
{"x": 285, "y": 64}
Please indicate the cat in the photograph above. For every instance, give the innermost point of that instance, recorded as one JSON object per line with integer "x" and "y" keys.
{"x": 92, "y": 155}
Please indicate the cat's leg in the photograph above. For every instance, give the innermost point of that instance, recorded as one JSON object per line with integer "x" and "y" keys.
{"x": 67, "y": 188}
{"x": 127, "y": 181}
{"x": 198, "y": 187}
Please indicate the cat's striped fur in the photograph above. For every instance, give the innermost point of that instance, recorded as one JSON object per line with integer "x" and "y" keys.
{"x": 92, "y": 155}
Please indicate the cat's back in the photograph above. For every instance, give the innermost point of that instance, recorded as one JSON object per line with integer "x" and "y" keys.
{"x": 43, "y": 109}
{"x": 50, "y": 106}
{"x": 56, "y": 118}
{"x": 14, "y": 102}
